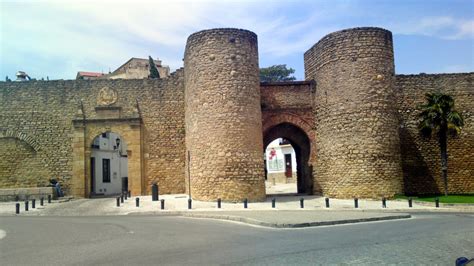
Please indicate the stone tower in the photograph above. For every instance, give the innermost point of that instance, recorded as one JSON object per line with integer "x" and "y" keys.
{"x": 223, "y": 115}
{"x": 357, "y": 141}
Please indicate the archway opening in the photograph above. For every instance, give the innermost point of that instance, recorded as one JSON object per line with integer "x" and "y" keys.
{"x": 108, "y": 165}
{"x": 287, "y": 136}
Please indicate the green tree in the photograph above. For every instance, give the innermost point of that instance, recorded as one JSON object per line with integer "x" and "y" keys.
{"x": 439, "y": 118}
{"x": 154, "y": 74}
{"x": 276, "y": 73}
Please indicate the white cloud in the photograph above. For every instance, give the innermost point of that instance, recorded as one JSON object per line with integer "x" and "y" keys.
{"x": 92, "y": 35}
{"x": 445, "y": 27}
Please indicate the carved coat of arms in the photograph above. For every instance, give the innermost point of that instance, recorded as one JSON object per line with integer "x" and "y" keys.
{"x": 107, "y": 96}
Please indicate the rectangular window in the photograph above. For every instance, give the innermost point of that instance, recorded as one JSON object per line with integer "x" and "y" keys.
{"x": 106, "y": 170}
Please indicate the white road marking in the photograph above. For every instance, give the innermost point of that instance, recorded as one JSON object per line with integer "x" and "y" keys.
{"x": 2, "y": 234}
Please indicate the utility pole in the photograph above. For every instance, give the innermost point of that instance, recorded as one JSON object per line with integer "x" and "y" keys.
{"x": 189, "y": 174}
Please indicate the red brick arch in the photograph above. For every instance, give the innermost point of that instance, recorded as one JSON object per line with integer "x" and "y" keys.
{"x": 276, "y": 119}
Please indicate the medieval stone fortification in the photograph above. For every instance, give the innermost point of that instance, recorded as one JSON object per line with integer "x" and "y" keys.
{"x": 353, "y": 123}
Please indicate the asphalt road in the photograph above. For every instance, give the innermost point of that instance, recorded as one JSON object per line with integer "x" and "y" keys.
{"x": 137, "y": 240}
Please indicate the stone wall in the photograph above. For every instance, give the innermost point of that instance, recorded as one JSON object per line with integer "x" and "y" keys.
{"x": 38, "y": 116}
{"x": 421, "y": 160}
{"x": 357, "y": 142}
{"x": 223, "y": 115}
{"x": 349, "y": 139}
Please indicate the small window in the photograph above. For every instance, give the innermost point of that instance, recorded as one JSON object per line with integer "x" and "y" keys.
{"x": 106, "y": 170}
{"x": 104, "y": 135}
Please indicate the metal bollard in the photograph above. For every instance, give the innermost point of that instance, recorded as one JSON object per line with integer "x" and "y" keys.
{"x": 356, "y": 203}
{"x": 327, "y": 202}
{"x": 219, "y": 203}
{"x": 118, "y": 201}
{"x": 121, "y": 198}
{"x": 26, "y": 205}
{"x": 129, "y": 194}
{"x": 49, "y": 198}
{"x": 125, "y": 195}
{"x": 42, "y": 201}
{"x": 137, "y": 202}
{"x": 273, "y": 202}
{"x": 384, "y": 203}
{"x": 246, "y": 201}
{"x": 33, "y": 203}
{"x": 17, "y": 208}
{"x": 302, "y": 203}
{"x": 437, "y": 202}
{"x": 410, "y": 202}
{"x": 190, "y": 204}
{"x": 154, "y": 192}
{"x": 162, "y": 204}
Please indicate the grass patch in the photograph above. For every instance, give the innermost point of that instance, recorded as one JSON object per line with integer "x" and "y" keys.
{"x": 467, "y": 198}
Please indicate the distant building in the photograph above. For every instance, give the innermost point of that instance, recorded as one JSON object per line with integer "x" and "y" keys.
{"x": 280, "y": 162}
{"x": 88, "y": 75}
{"x": 134, "y": 68}
{"x": 22, "y": 76}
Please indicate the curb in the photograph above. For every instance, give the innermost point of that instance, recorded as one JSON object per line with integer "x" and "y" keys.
{"x": 295, "y": 225}
{"x": 269, "y": 224}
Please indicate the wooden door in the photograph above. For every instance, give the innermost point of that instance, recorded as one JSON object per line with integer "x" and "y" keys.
{"x": 288, "y": 166}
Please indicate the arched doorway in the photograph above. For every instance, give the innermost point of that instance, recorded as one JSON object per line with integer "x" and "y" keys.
{"x": 108, "y": 165}
{"x": 301, "y": 145}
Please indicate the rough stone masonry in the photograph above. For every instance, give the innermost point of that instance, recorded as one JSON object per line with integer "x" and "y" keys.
{"x": 352, "y": 123}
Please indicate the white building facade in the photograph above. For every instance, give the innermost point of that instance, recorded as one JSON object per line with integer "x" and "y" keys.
{"x": 109, "y": 165}
{"x": 280, "y": 162}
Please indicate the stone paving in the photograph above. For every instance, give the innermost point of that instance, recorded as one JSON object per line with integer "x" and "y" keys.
{"x": 287, "y": 212}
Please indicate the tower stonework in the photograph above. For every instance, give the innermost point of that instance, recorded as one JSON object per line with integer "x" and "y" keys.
{"x": 357, "y": 141}
{"x": 223, "y": 116}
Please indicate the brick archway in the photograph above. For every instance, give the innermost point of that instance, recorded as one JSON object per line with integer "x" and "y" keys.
{"x": 296, "y": 120}
{"x": 301, "y": 143}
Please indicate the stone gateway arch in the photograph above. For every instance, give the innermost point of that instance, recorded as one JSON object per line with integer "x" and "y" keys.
{"x": 352, "y": 122}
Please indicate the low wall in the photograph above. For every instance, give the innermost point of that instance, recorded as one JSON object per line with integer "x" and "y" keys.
{"x": 280, "y": 178}
{"x": 13, "y": 194}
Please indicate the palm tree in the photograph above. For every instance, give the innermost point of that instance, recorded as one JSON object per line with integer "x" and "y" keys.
{"x": 438, "y": 117}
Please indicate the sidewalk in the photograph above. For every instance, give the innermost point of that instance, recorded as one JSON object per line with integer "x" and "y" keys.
{"x": 286, "y": 214}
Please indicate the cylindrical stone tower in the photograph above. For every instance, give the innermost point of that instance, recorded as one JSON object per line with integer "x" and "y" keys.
{"x": 223, "y": 116}
{"x": 357, "y": 141}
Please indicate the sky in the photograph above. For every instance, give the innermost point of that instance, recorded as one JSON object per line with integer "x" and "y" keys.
{"x": 56, "y": 39}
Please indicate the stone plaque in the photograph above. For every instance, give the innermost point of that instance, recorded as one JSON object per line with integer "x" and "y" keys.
{"x": 107, "y": 96}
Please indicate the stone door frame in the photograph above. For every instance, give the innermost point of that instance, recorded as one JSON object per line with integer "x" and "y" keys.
{"x": 85, "y": 131}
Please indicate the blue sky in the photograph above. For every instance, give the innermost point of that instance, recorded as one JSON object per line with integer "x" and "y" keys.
{"x": 58, "y": 38}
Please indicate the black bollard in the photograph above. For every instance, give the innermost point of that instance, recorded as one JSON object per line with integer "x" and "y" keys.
{"x": 121, "y": 198}
{"x": 26, "y": 205}
{"x": 137, "y": 202}
{"x": 42, "y": 201}
{"x": 356, "y": 203}
{"x": 49, "y": 198}
{"x": 129, "y": 194}
{"x": 437, "y": 202}
{"x": 17, "y": 209}
{"x": 327, "y": 202}
{"x": 154, "y": 192}
{"x": 190, "y": 204}
{"x": 273, "y": 202}
{"x": 219, "y": 203}
{"x": 118, "y": 201}
{"x": 125, "y": 194}
{"x": 246, "y": 201}
{"x": 162, "y": 204}
{"x": 384, "y": 203}
{"x": 410, "y": 202}
{"x": 33, "y": 203}
{"x": 302, "y": 203}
